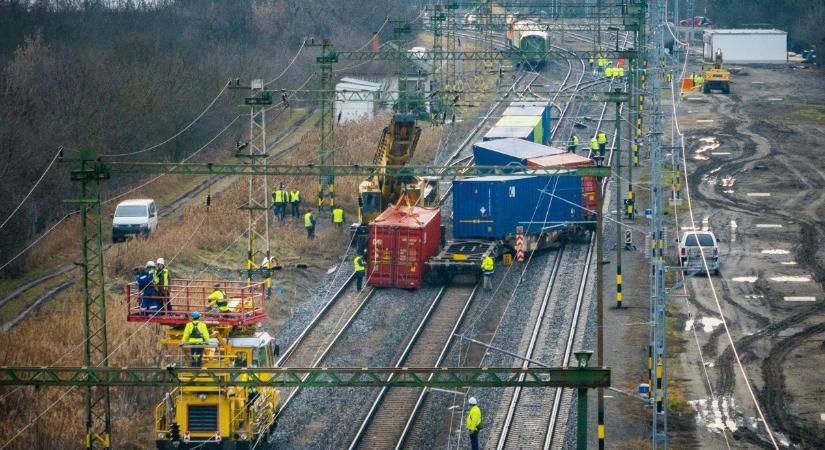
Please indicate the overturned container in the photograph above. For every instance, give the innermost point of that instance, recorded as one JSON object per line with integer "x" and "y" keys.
{"x": 588, "y": 183}
{"x": 401, "y": 240}
{"x": 508, "y": 152}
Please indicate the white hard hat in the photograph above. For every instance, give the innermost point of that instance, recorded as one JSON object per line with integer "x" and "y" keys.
{"x": 472, "y": 401}
{"x": 161, "y": 261}
{"x": 150, "y": 264}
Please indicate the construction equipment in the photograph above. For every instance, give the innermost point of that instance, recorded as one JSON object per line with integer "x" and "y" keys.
{"x": 716, "y": 76}
{"x": 209, "y": 416}
{"x": 378, "y": 192}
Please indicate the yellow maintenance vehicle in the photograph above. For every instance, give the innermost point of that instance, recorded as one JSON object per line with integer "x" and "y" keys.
{"x": 211, "y": 418}
{"x": 716, "y": 76}
{"x": 396, "y": 148}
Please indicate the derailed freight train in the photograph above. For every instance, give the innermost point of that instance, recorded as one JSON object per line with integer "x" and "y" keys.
{"x": 490, "y": 213}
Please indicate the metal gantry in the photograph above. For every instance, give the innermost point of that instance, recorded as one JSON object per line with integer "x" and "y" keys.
{"x": 421, "y": 377}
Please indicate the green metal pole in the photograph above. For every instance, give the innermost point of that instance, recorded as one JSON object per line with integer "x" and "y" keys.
{"x": 581, "y": 421}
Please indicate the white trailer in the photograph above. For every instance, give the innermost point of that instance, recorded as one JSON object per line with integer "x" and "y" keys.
{"x": 747, "y": 46}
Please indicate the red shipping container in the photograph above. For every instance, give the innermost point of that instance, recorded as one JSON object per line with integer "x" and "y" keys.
{"x": 569, "y": 160}
{"x": 401, "y": 240}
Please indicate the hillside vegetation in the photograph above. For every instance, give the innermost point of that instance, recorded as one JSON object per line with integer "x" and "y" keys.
{"x": 75, "y": 74}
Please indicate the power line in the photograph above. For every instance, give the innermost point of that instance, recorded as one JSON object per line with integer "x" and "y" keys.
{"x": 37, "y": 183}
{"x": 303, "y": 44}
{"x": 208, "y": 107}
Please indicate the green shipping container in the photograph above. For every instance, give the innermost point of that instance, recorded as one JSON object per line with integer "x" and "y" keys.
{"x": 534, "y": 122}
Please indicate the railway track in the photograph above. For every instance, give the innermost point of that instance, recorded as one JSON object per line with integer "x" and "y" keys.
{"x": 53, "y": 283}
{"x": 428, "y": 347}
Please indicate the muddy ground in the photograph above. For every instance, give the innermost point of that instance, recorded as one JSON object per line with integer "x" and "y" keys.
{"x": 756, "y": 176}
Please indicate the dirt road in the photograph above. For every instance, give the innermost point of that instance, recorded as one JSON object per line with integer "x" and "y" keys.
{"x": 756, "y": 175}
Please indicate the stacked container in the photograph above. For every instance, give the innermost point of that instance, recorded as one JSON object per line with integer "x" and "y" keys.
{"x": 572, "y": 160}
{"x": 533, "y": 122}
{"x": 401, "y": 240}
{"x": 493, "y": 207}
{"x": 506, "y": 152}
{"x": 522, "y": 110}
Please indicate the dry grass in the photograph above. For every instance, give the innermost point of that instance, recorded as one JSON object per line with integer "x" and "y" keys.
{"x": 52, "y": 336}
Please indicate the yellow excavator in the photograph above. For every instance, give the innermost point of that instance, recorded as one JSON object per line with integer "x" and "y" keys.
{"x": 396, "y": 148}
{"x": 716, "y": 76}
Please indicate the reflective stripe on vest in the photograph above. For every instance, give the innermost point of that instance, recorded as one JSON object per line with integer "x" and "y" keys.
{"x": 296, "y": 196}
{"x": 358, "y": 263}
{"x": 308, "y": 220}
{"x": 338, "y": 215}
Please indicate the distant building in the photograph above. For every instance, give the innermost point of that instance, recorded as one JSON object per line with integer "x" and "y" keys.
{"x": 745, "y": 46}
{"x": 357, "y": 99}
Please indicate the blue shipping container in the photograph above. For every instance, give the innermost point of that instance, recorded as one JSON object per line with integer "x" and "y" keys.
{"x": 525, "y": 133}
{"x": 506, "y": 152}
{"x": 492, "y": 207}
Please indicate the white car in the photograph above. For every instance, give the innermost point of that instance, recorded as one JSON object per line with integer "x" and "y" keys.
{"x": 134, "y": 217}
{"x": 695, "y": 244}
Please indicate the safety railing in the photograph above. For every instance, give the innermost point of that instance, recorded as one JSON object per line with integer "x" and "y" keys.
{"x": 175, "y": 303}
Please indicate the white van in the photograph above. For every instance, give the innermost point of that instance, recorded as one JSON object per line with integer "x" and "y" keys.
{"x": 133, "y": 217}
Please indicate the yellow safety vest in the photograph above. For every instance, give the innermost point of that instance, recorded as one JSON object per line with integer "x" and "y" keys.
{"x": 296, "y": 196}
{"x": 358, "y": 263}
{"x": 278, "y": 196}
{"x": 154, "y": 274}
{"x": 473, "y": 418}
{"x": 575, "y": 140}
{"x": 338, "y": 215}
{"x": 163, "y": 279}
{"x": 195, "y": 328}
{"x": 487, "y": 264}
{"x": 219, "y": 299}
{"x": 602, "y": 138}
{"x": 608, "y": 72}
{"x": 594, "y": 144}
{"x": 308, "y": 220}
{"x": 621, "y": 72}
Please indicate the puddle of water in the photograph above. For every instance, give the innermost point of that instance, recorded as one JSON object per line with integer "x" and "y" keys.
{"x": 775, "y": 251}
{"x": 688, "y": 324}
{"x": 775, "y": 99}
{"x": 757, "y": 82}
{"x": 754, "y": 296}
{"x": 720, "y": 153}
{"x": 789, "y": 332}
{"x": 734, "y": 227}
{"x": 710, "y": 143}
{"x": 768, "y": 225}
{"x": 791, "y": 279}
{"x": 697, "y": 99}
{"x": 746, "y": 279}
{"x": 788, "y": 263}
{"x": 704, "y": 120}
{"x": 717, "y": 415}
{"x": 800, "y": 299}
{"x": 822, "y": 417}
{"x": 709, "y": 323}
{"x": 728, "y": 181}
{"x": 728, "y": 191}
{"x": 759, "y": 194}
{"x": 715, "y": 170}
{"x": 705, "y": 223}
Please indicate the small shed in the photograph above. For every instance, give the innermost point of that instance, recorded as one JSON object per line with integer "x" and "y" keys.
{"x": 356, "y": 99}
{"x": 747, "y": 46}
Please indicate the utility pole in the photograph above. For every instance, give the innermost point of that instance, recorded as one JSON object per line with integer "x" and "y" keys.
{"x": 326, "y": 123}
{"x": 257, "y": 194}
{"x": 657, "y": 276}
{"x": 401, "y": 29}
{"x": 96, "y": 348}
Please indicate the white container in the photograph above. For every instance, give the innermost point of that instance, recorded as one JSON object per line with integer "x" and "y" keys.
{"x": 741, "y": 46}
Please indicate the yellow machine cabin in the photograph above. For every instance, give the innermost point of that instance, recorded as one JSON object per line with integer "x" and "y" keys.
{"x": 217, "y": 418}
{"x": 396, "y": 148}
{"x": 716, "y": 76}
